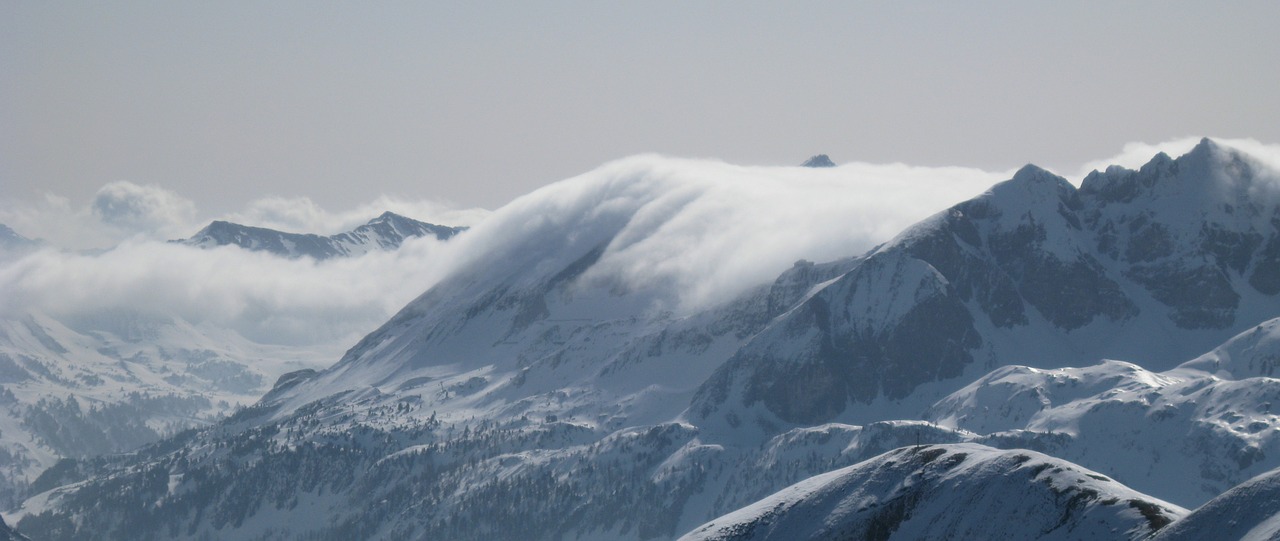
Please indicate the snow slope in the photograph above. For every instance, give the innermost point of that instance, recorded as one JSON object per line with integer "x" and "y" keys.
{"x": 1187, "y": 433}
{"x": 1248, "y": 512}
{"x": 111, "y": 372}
{"x": 961, "y": 491}
{"x": 1183, "y": 437}
{"x": 114, "y": 381}
{"x": 611, "y": 361}
{"x": 1150, "y": 266}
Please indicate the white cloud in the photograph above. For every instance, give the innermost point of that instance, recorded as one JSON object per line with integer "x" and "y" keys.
{"x": 696, "y": 232}
{"x": 53, "y": 219}
{"x": 686, "y": 233}
{"x": 118, "y": 211}
{"x": 693, "y": 230}
{"x": 265, "y": 298}
{"x": 147, "y": 210}
{"x": 124, "y": 210}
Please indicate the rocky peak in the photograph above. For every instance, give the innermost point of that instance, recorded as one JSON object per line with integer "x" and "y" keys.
{"x": 1209, "y": 173}
{"x": 1033, "y": 192}
{"x": 387, "y": 216}
{"x": 820, "y": 160}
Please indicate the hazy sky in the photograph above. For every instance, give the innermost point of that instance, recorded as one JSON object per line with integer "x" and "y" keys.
{"x": 479, "y": 102}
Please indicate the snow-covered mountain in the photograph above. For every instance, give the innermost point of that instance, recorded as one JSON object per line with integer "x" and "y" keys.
{"x": 1247, "y": 512}
{"x": 111, "y": 382}
{"x": 563, "y": 380}
{"x": 386, "y": 232}
{"x": 1150, "y": 266}
{"x": 961, "y": 491}
{"x": 1185, "y": 434}
{"x": 80, "y": 379}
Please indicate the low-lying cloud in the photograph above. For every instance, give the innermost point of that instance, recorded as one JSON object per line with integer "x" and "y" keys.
{"x": 111, "y": 256}
{"x": 146, "y": 210}
{"x": 690, "y": 233}
{"x": 122, "y": 210}
{"x": 693, "y": 233}
{"x": 265, "y": 298}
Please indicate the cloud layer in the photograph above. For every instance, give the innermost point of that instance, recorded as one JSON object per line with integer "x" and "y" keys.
{"x": 698, "y": 231}
{"x": 122, "y": 210}
{"x": 265, "y": 298}
{"x": 142, "y": 209}
{"x": 111, "y": 257}
{"x": 692, "y": 233}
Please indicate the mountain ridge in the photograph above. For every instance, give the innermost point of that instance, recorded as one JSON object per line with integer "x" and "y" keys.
{"x": 910, "y": 493}
{"x": 535, "y": 389}
{"x": 1024, "y": 271}
{"x": 385, "y": 232}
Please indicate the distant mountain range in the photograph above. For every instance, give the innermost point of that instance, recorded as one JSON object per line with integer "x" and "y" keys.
{"x": 110, "y": 380}
{"x": 1039, "y": 362}
{"x": 386, "y": 232}
{"x": 11, "y": 241}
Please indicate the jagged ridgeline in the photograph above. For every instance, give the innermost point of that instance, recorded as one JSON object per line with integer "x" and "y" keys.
{"x": 534, "y": 394}
{"x": 386, "y": 232}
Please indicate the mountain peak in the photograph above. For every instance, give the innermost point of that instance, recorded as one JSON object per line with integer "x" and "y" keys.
{"x": 220, "y": 224}
{"x": 1205, "y": 156}
{"x": 1204, "y": 170}
{"x": 1034, "y": 173}
{"x": 387, "y": 216}
{"x": 1206, "y": 145}
{"x": 818, "y": 160}
{"x": 1036, "y": 183}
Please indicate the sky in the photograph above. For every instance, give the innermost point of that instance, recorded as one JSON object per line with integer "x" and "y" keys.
{"x": 273, "y": 110}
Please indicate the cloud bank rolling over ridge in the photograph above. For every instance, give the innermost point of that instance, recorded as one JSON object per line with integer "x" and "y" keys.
{"x": 696, "y": 232}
